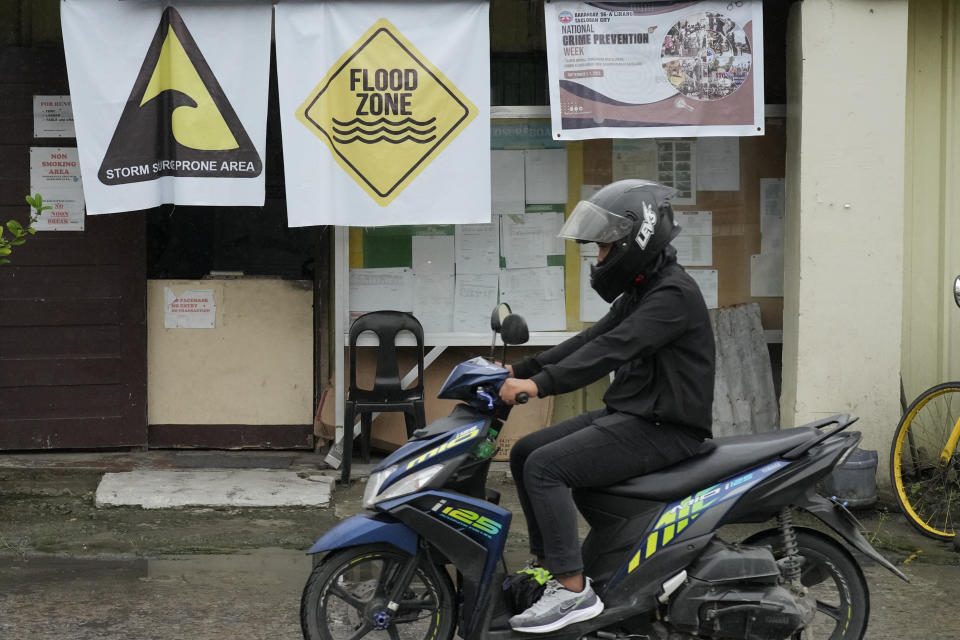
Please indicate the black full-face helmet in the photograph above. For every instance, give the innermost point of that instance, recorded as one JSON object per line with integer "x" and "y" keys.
{"x": 636, "y": 218}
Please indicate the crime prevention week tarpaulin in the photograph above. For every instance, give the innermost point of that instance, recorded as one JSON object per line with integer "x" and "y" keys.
{"x": 655, "y": 69}
{"x": 384, "y": 110}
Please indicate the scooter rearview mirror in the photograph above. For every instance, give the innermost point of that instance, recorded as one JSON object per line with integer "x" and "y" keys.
{"x": 500, "y": 312}
{"x": 514, "y": 330}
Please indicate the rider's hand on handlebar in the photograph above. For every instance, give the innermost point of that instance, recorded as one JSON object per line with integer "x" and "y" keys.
{"x": 512, "y": 386}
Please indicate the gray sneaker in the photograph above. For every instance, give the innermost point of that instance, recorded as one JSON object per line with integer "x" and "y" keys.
{"x": 557, "y": 608}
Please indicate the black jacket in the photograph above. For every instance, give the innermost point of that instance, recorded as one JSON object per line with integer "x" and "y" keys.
{"x": 657, "y": 337}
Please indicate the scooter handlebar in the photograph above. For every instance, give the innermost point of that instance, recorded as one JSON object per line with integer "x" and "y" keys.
{"x": 522, "y": 397}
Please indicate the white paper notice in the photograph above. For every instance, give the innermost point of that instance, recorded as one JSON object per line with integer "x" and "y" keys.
{"x": 766, "y": 275}
{"x": 545, "y": 173}
{"x": 771, "y": 215}
{"x": 527, "y": 240}
{"x": 53, "y": 167}
{"x": 718, "y": 164}
{"x": 53, "y": 117}
{"x": 190, "y": 310}
{"x": 478, "y": 247}
{"x": 589, "y": 249}
{"x": 587, "y": 191}
{"x": 677, "y": 168}
{"x": 432, "y": 254}
{"x": 68, "y": 210}
{"x": 634, "y": 158}
{"x": 376, "y": 289}
{"x": 537, "y": 295}
{"x": 474, "y": 299}
{"x": 707, "y": 281}
{"x": 433, "y": 301}
{"x": 507, "y": 182}
{"x": 592, "y": 306}
{"x": 694, "y": 245}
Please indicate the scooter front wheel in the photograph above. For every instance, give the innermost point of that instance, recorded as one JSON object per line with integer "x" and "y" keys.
{"x": 347, "y": 594}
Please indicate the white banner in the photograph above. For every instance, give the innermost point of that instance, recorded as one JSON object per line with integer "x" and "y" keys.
{"x": 384, "y": 109}
{"x": 169, "y": 100}
{"x": 655, "y": 69}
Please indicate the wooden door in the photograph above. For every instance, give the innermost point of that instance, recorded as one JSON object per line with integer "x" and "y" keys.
{"x": 72, "y": 303}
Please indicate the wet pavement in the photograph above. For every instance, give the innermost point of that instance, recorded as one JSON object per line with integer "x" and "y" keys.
{"x": 71, "y": 571}
{"x": 240, "y": 596}
{"x": 257, "y": 596}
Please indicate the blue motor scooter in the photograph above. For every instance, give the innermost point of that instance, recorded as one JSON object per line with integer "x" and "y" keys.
{"x": 426, "y": 561}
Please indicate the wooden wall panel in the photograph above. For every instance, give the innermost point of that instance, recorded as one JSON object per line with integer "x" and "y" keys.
{"x": 72, "y": 304}
{"x": 81, "y": 370}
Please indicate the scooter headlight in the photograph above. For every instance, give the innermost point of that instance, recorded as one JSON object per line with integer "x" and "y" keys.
{"x": 374, "y": 482}
{"x": 411, "y": 483}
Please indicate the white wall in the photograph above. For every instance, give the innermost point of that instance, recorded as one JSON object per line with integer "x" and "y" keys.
{"x": 255, "y": 367}
{"x": 845, "y": 194}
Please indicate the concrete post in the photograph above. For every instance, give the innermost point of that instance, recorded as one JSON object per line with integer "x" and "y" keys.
{"x": 845, "y": 196}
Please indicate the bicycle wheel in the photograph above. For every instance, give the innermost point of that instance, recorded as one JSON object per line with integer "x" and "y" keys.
{"x": 346, "y": 598}
{"x": 924, "y": 463}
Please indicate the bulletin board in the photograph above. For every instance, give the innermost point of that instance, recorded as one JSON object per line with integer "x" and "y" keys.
{"x": 730, "y": 201}
{"x": 745, "y": 234}
{"x": 460, "y": 272}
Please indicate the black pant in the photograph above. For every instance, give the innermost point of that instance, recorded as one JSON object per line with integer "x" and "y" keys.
{"x": 595, "y": 449}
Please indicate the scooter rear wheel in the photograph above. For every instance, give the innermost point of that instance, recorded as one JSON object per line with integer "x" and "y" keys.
{"x": 347, "y": 593}
{"x": 834, "y": 579}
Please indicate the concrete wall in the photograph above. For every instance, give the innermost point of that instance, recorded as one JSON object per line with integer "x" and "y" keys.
{"x": 845, "y": 190}
{"x": 255, "y": 367}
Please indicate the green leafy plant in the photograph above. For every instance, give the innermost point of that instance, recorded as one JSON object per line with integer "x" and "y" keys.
{"x": 19, "y": 233}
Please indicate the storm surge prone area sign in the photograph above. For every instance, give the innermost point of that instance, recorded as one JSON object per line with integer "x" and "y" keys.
{"x": 385, "y": 111}
{"x": 177, "y": 120}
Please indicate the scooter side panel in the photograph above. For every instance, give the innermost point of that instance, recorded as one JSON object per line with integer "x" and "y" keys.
{"x": 616, "y": 523}
{"x": 694, "y": 516}
{"x": 454, "y": 423}
{"x": 449, "y": 445}
{"x": 789, "y": 486}
{"x": 471, "y": 533}
{"x": 367, "y": 529}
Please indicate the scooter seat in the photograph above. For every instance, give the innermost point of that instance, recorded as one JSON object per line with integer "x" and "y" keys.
{"x": 721, "y": 458}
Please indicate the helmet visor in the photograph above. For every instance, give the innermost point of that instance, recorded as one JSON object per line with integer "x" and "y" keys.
{"x": 592, "y": 223}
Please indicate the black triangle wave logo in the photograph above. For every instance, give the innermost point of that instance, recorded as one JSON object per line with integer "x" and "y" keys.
{"x": 177, "y": 120}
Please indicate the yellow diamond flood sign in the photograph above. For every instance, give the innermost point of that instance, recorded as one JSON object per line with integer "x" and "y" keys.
{"x": 385, "y": 111}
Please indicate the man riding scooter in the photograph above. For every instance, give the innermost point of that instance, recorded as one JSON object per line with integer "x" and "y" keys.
{"x": 658, "y": 342}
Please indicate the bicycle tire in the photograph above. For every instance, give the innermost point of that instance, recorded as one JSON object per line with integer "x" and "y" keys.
{"x": 927, "y": 490}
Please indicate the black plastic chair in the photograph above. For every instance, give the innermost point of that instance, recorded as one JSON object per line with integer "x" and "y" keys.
{"x": 386, "y": 394}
